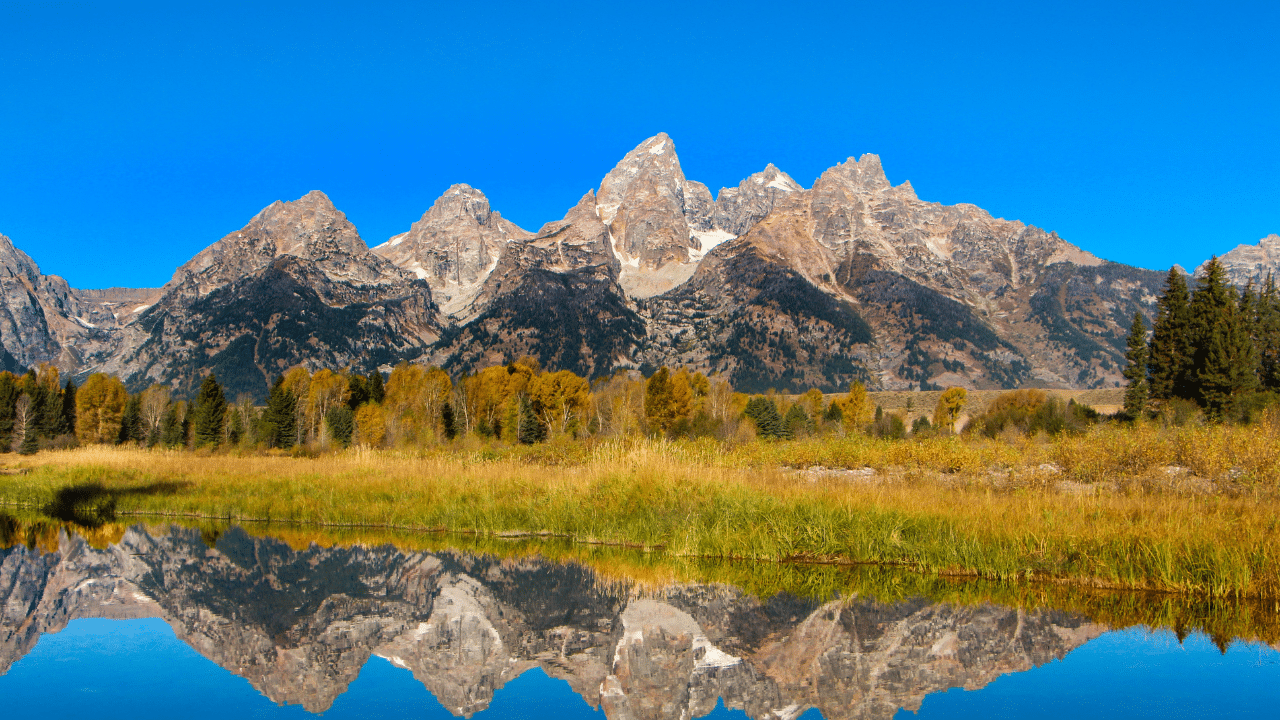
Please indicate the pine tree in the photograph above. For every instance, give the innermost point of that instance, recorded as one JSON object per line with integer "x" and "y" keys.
{"x": 377, "y": 391}
{"x": 1225, "y": 362}
{"x": 1135, "y": 396}
{"x": 761, "y": 411}
{"x": 342, "y": 425}
{"x": 210, "y": 412}
{"x": 1267, "y": 335}
{"x": 31, "y": 438}
{"x": 171, "y": 426}
{"x": 796, "y": 422}
{"x": 447, "y": 421}
{"x": 530, "y": 431}
{"x": 235, "y": 427}
{"x": 1170, "y": 356}
{"x": 131, "y": 423}
{"x": 68, "y": 422}
{"x": 9, "y": 394}
{"x": 358, "y": 391}
{"x": 280, "y": 418}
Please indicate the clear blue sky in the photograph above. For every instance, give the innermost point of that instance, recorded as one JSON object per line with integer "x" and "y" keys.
{"x": 133, "y": 135}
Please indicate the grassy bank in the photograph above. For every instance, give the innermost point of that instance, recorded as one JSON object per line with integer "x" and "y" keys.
{"x": 958, "y": 508}
{"x": 642, "y": 573}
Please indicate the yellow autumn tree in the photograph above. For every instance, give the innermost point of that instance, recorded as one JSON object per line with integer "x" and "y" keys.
{"x": 682, "y": 394}
{"x": 326, "y": 391}
{"x": 100, "y": 409}
{"x": 297, "y": 381}
{"x": 950, "y": 405}
{"x": 415, "y": 396}
{"x": 486, "y": 395}
{"x": 617, "y": 404}
{"x": 371, "y": 426}
{"x": 560, "y": 398}
{"x": 856, "y": 408}
{"x": 812, "y": 402}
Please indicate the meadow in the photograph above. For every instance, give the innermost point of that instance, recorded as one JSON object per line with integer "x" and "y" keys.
{"x": 1189, "y": 510}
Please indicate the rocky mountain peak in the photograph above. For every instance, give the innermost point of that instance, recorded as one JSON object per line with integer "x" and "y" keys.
{"x": 454, "y": 246}
{"x": 642, "y": 202}
{"x": 774, "y": 179}
{"x": 865, "y": 171}
{"x": 1251, "y": 263}
{"x": 737, "y": 209}
{"x": 310, "y": 228}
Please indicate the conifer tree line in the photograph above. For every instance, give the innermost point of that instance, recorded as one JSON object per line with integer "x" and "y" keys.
{"x": 36, "y": 411}
{"x": 416, "y": 406}
{"x": 1213, "y": 346}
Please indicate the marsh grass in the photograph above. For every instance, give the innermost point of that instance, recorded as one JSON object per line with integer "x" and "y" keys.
{"x": 950, "y": 507}
{"x": 638, "y": 573}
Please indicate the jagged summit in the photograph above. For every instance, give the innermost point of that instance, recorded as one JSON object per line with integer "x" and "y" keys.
{"x": 454, "y": 246}
{"x": 310, "y": 228}
{"x": 1251, "y": 263}
{"x": 771, "y": 283}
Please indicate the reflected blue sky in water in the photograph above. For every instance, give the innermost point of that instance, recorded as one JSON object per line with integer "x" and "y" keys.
{"x": 138, "y": 669}
{"x": 1128, "y": 674}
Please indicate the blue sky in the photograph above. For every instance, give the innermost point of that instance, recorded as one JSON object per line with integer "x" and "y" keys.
{"x": 133, "y": 135}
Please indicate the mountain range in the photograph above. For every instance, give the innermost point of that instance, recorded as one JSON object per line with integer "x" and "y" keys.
{"x": 771, "y": 283}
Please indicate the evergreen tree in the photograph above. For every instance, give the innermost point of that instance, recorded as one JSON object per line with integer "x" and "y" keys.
{"x": 9, "y": 394}
{"x": 279, "y": 419}
{"x": 131, "y": 423}
{"x": 31, "y": 438}
{"x": 342, "y": 424}
{"x": 1225, "y": 362}
{"x": 68, "y": 422}
{"x": 1135, "y": 396}
{"x": 235, "y": 426}
{"x": 210, "y": 412}
{"x": 1170, "y": 356}
{"x": 1267, "y": 335}
{"x": 761, "y": 411}
{"x": 358, "y": 391}
{"x": 51, "y": 411}
{"x": 447, "y": 421}
{"x": 171, "y": 426}
{"x": 530, "y": 431}
{"x": 833, "y": 413}
{"x": 796, "y": 422}
{"x": 40, "y": 402}
{"x": 377, "y": 391}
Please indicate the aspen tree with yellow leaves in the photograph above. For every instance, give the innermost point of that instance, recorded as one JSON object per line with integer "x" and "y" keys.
{"x": 100, "y": 409}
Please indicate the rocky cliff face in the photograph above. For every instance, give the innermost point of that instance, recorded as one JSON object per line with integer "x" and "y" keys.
{"x": 299, "y": 625}
{"x": 1251, "y": 263}
{"x": 455, "y": 246}
{"x": 297, "y": 285}
{"x": 771, "y": 283}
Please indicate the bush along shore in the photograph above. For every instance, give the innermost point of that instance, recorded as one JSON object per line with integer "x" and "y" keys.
{"x": 1177, "y": 491}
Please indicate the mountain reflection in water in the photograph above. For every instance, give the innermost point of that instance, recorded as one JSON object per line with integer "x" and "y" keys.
{"x": 300, "y": 626}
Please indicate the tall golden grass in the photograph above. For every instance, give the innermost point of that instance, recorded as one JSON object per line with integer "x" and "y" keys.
{"x": 639, "y": 573}
{"x": 1100, "y": 509}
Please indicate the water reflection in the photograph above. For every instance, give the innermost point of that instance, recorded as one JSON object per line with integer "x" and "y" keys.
{"x": 300, "y": 625}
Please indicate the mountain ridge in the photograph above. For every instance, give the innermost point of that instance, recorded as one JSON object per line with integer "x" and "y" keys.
{"x": 769, "y": 282}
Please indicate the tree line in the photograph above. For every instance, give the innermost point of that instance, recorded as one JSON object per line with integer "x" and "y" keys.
{"x": 417, "y": 406}
{"x": 1214, "y": 348}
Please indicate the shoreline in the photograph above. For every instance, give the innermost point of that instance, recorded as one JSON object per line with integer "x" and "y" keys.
{"x": 664, "y": 497}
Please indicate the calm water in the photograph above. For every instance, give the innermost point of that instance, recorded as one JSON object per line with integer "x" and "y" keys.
{"x": 176, "y": 623}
